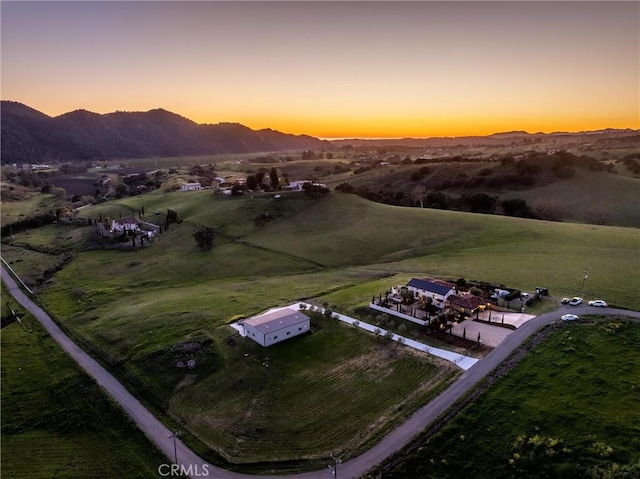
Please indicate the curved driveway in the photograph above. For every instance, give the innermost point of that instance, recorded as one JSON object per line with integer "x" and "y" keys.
{"x": 353, "y": 468}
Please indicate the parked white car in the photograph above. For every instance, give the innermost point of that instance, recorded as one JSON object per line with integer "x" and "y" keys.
{"x": 565, "y": 300}
{"x": 575, "y": 301}
{"x": 599, "y": 303}
{"x": 569, "y": 317}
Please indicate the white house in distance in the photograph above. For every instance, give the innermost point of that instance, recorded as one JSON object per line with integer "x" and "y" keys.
{"x": 128, "y": 223}
{"x": 271, "y": 328}
{"x": 190, "y": 186}
{"x": 436, "y": 289}
{"x": 299, "y": 185}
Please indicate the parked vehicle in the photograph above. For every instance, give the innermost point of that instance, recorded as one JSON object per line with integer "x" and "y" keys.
{"x": 565, "y": 300}
{"x": 569, "y": 317}
{"x": 599, "y": 303}
{"x": 575, "y": 301}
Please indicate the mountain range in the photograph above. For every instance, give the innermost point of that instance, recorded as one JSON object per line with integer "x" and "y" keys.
{"x": 31, "y": 136}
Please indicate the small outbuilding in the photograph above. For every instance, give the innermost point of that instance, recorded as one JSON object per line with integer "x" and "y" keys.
{"x": 271, "y": 328}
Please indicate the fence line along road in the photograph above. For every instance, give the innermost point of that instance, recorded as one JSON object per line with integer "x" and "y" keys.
{"x": 164, "y": 438}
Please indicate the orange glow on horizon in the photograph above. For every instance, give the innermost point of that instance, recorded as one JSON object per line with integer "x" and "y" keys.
{"x": 397, "y": 128}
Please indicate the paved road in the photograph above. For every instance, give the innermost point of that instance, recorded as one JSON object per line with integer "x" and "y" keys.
{"x": 351, "y": 469}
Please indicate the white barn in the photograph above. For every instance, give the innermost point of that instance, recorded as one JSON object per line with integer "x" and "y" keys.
{"x": 190, "y": 186}
{"x": 271, "y": 328}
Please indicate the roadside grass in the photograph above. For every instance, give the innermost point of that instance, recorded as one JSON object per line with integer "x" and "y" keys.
{"x": 56, "y": 422}
{"x": 568, "y": 409}
{"x": 29, "y": 264}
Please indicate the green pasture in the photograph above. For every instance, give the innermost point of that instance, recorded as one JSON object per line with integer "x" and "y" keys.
{"x": 285, "y": 403}
{"x": 35, "y": 204}
{"x": 569, "y": 409}
{"x": 136, "y": 308}
{"x": 614, "y": 198}
{"x": 56, "y": 422}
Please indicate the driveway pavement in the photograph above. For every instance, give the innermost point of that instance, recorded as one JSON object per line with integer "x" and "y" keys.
{"x": 351, "y": 469}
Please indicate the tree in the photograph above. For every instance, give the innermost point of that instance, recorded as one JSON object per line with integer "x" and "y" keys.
{"x": 407, "y": 295}
{"x": 204, "y": 236}
{"x": 275, "y": 181}
{"x": 252, "y": 182}
{"x": 418, "y": 194}
{"x": 516, "y": 207}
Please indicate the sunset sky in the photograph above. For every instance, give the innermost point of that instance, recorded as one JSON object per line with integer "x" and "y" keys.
{"x": 333, "y": 69}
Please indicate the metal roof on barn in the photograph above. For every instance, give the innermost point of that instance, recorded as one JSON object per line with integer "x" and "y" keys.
{"x": 284, "y": 318}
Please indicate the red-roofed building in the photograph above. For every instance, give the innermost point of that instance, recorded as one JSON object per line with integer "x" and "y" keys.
{"x": 467, "y": 303}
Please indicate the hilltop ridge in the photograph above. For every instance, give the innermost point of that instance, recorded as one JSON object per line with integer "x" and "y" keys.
{"x": 31, "y": 136}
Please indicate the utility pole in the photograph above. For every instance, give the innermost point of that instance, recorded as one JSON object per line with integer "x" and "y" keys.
{"x": 584, "y": 280}
{"x": 175, "y": 447}
{"x": 334, "y": 466}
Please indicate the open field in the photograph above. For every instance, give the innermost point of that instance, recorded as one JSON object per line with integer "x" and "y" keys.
{"x": 34, "y": 204}
{"x": 56, "y": 422}
{"x": 569, "y": 409}
{"x": 136, "y": 308}
{"x": 277, "y": 403}
{"x": 611, "y": 199}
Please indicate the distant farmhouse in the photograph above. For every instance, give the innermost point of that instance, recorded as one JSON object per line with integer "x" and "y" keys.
{"x": 436, "y": 289}
{"x": 131, "y": 224}
{"x": 128, "y": 223}
{"x": 190, "y": 187}
{"x": 271, "y": 328}
{"x": 299, "y": 185}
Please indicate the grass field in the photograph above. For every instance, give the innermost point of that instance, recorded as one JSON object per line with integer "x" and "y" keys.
{"x": 56, "y": 422}
{"x": 136, "y": 308}
{"x": 277, "y": 403}
{"x": 569, "y": 409}
{"x": 34, "y": 204}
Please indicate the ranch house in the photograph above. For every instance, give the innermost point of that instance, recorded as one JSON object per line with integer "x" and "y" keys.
{"x": 438, "y": 290}
{"x": 271, "y": 328}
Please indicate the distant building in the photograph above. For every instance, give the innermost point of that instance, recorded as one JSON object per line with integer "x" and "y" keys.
{"x": 299, "y": 185}
{"x": 436, "y": 289}
{"x": 296, "y": 185}
{"x": 128, "y": 223}
{"x": 271, "y": 328}
{"x": 190, "y": 187}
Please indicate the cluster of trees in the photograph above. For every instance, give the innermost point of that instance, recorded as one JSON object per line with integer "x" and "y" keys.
{"x": 204, "y": 236}
{"x": 206, "y": 176}
{"x": 264, "y": 182}
{"x": 313, "y": 155}
{"x": 137, "y": 184}
{"x": 30, "y": 222}
{"x": 631, "y": 162}
{"x": 508, "y": 173}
